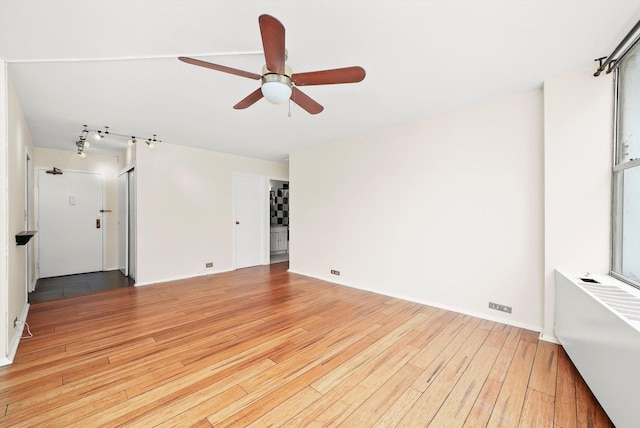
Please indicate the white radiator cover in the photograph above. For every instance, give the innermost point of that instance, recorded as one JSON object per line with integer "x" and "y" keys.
{"x": 599, "y": 327}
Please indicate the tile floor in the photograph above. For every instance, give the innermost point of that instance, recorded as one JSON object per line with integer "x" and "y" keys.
{"x": 279, "y": 258}
{"x": 60, "y": 287}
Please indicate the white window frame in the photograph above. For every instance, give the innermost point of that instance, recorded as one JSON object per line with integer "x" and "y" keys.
{"x": 617, "y": 196}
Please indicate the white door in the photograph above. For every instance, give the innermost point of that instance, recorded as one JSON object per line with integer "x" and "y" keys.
{"x": 69, "y": 223}
{"x": 249, "y": 211}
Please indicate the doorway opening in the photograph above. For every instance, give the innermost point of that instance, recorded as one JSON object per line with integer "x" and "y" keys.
{"x": 127, "y": 223}
{"x": 28, "y": 224}
{"x": 278, "y": 221}
{"x": 71, "y": 229}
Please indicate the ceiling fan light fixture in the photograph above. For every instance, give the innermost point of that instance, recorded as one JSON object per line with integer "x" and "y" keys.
{"x": 276, "y": 88}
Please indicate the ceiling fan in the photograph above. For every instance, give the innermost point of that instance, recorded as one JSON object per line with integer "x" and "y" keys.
{"x": 278, "y": 83}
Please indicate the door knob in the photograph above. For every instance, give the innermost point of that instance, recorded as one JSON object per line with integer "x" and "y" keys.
{"x": 237, "y": 222}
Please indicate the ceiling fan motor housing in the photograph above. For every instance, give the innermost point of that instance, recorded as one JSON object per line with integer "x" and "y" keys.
{"x": 276, "y": 88}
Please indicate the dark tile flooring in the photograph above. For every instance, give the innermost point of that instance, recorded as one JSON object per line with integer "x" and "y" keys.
{"x": 59, "y": 287}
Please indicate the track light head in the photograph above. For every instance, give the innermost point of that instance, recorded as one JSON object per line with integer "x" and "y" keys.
{"x": 151, "y": 143}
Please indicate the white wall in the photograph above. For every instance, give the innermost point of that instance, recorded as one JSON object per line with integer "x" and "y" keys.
{"x": 17, "y": 142}
{"x": 4, "y": 223}
{"x": 102, "y": 164}
{"x": 578, "y": 112}
{"x": 447, "y": 211}
{"x": 127, "y": 158}
{"x": 184, "y": 209}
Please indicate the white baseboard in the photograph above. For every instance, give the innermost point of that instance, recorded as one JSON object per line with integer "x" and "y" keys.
{"x": 179, "y": 278}
{"x": 549, "y": 338}
{"x": 15, "y": 340}
{"x": 464, "y": 311}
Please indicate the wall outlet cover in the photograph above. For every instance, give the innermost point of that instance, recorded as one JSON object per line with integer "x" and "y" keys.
{"x": 499, "y": 307}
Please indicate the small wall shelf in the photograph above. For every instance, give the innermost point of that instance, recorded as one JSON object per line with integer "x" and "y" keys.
{"x": 23, "y": 237}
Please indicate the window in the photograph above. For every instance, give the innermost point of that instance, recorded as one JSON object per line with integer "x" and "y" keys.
{"x": 626, "y": 171}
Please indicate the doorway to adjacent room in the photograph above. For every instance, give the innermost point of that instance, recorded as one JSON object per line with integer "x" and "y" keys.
{"x": 279, "y": 221}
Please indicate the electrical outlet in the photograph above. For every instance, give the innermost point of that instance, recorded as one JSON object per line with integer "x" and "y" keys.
{"x": 501, "y": 308}
{"x": 209, "y": 265}
{"x": 15, "y": 322}
{"x": 335, "y": 272}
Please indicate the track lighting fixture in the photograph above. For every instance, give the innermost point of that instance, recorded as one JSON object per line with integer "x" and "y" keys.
{"x": 151, "y": 143}
{"x": 99, "y": 135}
{"x": 82, "y": 142}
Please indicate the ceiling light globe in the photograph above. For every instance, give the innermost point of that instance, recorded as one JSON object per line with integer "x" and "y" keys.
{"x": 82, "y": 155}
{"x": 86, "y": 143}
{"x": 97, "y": 136}
{"x": 276, "y": 88}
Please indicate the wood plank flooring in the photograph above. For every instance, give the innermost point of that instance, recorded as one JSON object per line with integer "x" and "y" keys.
{"x": 262, "y": 347}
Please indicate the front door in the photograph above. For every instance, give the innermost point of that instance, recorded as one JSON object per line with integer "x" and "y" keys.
{"x": 69, "y": 223}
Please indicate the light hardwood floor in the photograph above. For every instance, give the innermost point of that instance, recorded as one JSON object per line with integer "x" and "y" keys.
{"x": 263, "y": 347}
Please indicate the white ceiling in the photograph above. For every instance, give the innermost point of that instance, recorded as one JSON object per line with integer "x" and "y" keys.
{"x": 114, "y": 63}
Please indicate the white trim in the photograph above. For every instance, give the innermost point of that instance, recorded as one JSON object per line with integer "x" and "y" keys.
{"x": 126, "y": 169}
{"x": 626, "y": 165}
{"x": 435, "y": 305}
{"x": 29, "y": 222}
{"x": 17, "y": 335}
{"x": 131, "y": 58}
{"x": 180, "y": 278}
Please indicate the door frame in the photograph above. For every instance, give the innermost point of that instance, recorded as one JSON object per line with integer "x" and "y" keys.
{"x": 126, "y": 171}
{"x": 36, "y": 210}
{"x": 268, "y": 249}
{"x": 29, "y": 222}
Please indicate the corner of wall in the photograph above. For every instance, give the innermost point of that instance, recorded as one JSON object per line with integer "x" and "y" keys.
{"x": 578, "y": 130}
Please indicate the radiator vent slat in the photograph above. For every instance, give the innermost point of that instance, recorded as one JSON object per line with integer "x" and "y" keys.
{"x": 620, "y": 301}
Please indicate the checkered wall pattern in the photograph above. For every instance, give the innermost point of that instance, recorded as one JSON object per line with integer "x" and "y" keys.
{"x": 280, "y": 205}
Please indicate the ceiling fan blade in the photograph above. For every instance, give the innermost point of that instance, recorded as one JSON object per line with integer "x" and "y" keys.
{"x": 329, "y": 77}
{"x": 218, "y": 67}
{"x": 249, "y": 100}
{"x": 272, "y": 32}
{"x": 305, "y": 101}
